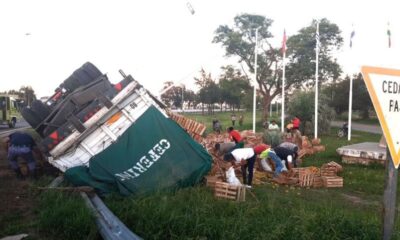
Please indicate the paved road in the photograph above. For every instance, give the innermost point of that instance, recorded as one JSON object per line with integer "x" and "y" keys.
{"x": 360, "y": 127}
{"x": 5, "y": 130}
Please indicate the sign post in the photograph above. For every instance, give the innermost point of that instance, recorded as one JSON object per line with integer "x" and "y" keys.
{"x": 384, "y": 89}
{"x": 389, "y": 198}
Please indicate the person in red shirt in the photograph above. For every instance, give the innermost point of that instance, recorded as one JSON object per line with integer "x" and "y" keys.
{"x": 296, "y": 122}
{"x": 236, "y": 137}
{"x": 296, "y": 131}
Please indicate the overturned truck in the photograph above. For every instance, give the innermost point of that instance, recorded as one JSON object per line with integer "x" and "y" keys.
{"x": 115, "y": 137}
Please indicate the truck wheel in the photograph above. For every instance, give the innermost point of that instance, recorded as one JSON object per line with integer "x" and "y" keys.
{"x": 82, "y": 76}
{"x": 12, "y": 123}
{"x": 71, "y": 83}
{"x": 40, "y": 109}
{"x": 31, "y": 117}
{"x": 87, "y": 73}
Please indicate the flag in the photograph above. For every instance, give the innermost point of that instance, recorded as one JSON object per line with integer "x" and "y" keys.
{"x": 318, "y": 43}
{"x": 351, "y": 38}
{"x": 284, "y": 42}
{"x": 389, "y": 35}
{"x": 189, "y": 6}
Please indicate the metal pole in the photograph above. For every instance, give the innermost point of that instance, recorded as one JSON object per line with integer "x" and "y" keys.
{"x": 283, "y": 93}
{"x": 182, "y": 100}
{"x": 270, "y": 109}
{"x": 316, "y": 86}
{"x": 350, "y": 108}
{"x": 255, "y": 83}
{"x": 389, "y": 198}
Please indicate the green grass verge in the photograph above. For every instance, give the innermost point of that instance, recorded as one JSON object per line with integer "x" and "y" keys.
{"x": 64, "y": 216}
{"x": 279, "y": 212}
{"x": 225, "y": 120}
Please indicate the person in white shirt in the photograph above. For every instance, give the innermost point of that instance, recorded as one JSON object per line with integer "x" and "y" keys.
{"x": 273, "y": 125}
{"x": 245, "y": 157}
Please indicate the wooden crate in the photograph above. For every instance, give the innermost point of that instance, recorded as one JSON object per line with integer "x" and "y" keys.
{"x": 318, "y": 182}
{"x": 211, "y": 180}
{"x": 328, "y": 172}
{"x": 335, "y": 165}
{"x": 306, "y": 179}
{"x": 306, "y": 170}
{"x": 332, "y": 181}
{"x": 316, "y": 141}
{"x": 319, "y": 148}
{"x": 227, "y": 191}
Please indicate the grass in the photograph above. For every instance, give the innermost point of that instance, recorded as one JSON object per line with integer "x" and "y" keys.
{"x": 64, "y": 216}
{"x": 55, "y": 215}
{"x": 279, "y": 212}
{"x": 225, "y": 120}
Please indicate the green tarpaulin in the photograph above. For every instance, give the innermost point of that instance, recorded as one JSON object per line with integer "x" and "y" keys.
{"x": 154, "y": 153}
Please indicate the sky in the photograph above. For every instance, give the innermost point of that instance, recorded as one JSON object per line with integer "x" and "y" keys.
{"x": 43, "y": 41}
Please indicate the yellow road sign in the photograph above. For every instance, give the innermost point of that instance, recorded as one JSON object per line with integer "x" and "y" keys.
{"x": 384, "y": 89}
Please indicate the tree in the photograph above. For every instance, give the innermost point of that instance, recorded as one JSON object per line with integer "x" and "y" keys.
{"x": 234, "y": 86}
{"x": 208, "y": 92}
{"x": 340, "y": 96}
{"x": 173, "y": 96}
{"x": 190, "y": 97}
{"x": 300, "y": 69}
{"x": 209, "y": 95}
{"x": 302, "y": 104}
{"x": 239, "y": 41}
{"x": 28, "y": 94}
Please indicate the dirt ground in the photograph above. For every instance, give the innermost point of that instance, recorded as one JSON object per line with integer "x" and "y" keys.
{"x": 17, "y": 197}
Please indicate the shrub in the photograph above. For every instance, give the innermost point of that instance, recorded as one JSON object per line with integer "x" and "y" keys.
{"x": 302, "y": 105}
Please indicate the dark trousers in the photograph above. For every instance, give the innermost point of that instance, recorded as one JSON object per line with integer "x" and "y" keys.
{"x": 24, "y": 152}
{"x": 295, "y": 156}
{"x": 249, "y": 166}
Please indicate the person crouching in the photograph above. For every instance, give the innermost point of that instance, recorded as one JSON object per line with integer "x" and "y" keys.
{"x": 245, "y": 157}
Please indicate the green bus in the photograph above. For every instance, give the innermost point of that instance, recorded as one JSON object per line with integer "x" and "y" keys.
{"x": 9, "y": 110}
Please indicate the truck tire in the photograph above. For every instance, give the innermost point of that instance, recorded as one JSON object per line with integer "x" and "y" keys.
{"x": 82, "y": 76}
{"x": 31, "y": 117}
{"x": 87, "y": 73}
{"x": 12, "y": 123}
{"x": 70, "y": 84}
{"x": 40, "y": 109}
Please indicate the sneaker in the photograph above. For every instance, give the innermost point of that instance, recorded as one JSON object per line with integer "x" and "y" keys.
{"x": 248, "y": 186}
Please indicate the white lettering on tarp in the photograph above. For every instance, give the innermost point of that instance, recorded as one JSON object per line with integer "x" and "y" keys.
{"x": 153, "y": 156}
{"x": 145, "y": 162}
{"x": 166, "y": 143}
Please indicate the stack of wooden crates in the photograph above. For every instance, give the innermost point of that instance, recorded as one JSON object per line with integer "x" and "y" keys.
{"x": 326, "y": 176}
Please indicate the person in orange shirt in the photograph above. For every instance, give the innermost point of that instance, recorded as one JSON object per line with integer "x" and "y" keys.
{"x": 236, "y": 137}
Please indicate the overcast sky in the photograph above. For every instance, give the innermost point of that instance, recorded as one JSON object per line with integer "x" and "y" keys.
{"x": 43, "y": 42}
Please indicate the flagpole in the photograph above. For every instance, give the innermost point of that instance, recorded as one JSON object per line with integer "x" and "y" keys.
{"x": 270, "y": 109}
{"x": 255, "y": 83}
{"x": 283, "y": 83}
{"x": 316, "y": 83}
{"x": 350, "y": 108}
{"x": 350, "y": 93}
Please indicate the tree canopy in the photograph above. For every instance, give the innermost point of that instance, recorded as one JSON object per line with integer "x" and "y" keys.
{"x": 239, "y": 41}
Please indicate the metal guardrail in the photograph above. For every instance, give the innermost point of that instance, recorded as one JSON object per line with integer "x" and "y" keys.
{"x": 109, "y": 226}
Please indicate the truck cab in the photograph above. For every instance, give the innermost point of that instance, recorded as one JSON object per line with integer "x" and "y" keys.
{"x": 8, "y": 110}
